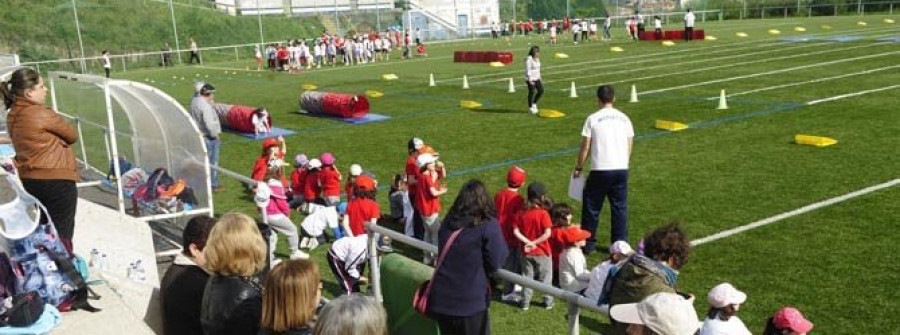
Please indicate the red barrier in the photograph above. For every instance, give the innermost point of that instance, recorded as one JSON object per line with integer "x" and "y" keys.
{"x": 482, "y": 57}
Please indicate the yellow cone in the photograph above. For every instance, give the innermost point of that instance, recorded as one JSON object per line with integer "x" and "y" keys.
{"x": 496, "y": 64}
{"x": 431, "y": 80}
{"x": 670, "y": 125}
{"x": 374, "y": 94}
{"x": 723, "y": 101}
{"x": 469, "y": 104}
{"x": 774, "y": 32}
{"x": 560, "y": 55}
{"x": 862, "y": 23}
{"x": 799, "y": 29}
{"x": 308, "y": 87}
{"x": 826, "y": 27}
{"x": 465, "y": 82}
{"x": 634, "y": 97}
{"x": 616, "y": 49}
{"x": 668, "y": 43}
{"x": 550, "y": 113}
{"x": 816, "y": 141}
{"x": 710, "y": 38}
{"x": 888, "y": 21}
{"x": 741, "y": 34}
{"x": 390, "y": 76}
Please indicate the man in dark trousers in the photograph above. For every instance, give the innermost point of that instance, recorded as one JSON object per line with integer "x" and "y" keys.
{"x": 607, "y": 136}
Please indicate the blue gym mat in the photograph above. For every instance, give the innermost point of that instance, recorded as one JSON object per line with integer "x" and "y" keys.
{"x": 369, "y": 118}
{"x": 895, "y": 39}
{"x": 274, "y": 133}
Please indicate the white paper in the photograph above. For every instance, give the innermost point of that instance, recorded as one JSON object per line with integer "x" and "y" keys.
{"x": 576, "y": 187}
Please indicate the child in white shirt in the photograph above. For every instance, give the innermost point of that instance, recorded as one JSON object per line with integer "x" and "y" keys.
{"x": 320, "y": 217}
{"x": 573, "y": 274}
{"x": 618, "y": 253}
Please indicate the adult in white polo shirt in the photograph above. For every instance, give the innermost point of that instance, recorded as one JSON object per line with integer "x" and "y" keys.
{"x": 608, "y": 137}
{"x": 689, "y": 25}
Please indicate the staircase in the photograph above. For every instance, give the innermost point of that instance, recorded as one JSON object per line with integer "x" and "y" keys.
{"x": 446, "y": 21}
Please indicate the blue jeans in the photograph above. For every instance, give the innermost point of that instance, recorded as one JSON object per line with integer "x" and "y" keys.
{"x": 212, "y": 151}
{"x": 599, "y": 186}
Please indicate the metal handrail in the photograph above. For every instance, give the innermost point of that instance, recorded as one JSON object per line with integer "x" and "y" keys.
{"x": 574, "y": 301}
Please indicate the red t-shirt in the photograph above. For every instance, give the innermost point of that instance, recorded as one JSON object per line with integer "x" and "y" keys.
{"x": 412, "y": 172}
{"x": 298, "y": 180}
{"x": 311, "y": 187}
{"x": 532, "y": 224}
{"x": 259, "y": 168}
{"x": 509, "y": 203}
{"x": 349, "y": 188}
{"x": 361, "y": 211}
{"x": 283, "y": 53}
{"x": 331, "y": 182}
{"x": 557, "y": 245}
{"x": 426, "y": 203}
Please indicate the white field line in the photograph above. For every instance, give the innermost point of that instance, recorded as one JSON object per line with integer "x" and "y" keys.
{"x": 656, "y": 57}
{"x": 798, "y": 211}
{"x": 703, "y": 83}
{"x": 850, "y": 95}
{"x": 818, "y": 80}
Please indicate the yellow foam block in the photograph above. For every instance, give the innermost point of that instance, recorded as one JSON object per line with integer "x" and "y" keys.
{"x": 774, "y": 31}
{"x": 668, "y": 43}
{"x": 710, "y": 38}
{"x": 496, "y": 64}
{"x": 309, "y": 87}
{"x": 670, "y": 125}
{"x": 469, "y": 104}
{"x": 800, "y": 29}
{"x": 816, "y": 141}
{"x": 862, "y": 23}
{"x": 888, "y": 21}
{"x": 550, "y": 113}
{"x": 390, "y": 76}
{"x": 374, "y": 94}
{"x": 826, "y": 27}
{"x": 741, "y": 34}
{"x": 560, "y": 55}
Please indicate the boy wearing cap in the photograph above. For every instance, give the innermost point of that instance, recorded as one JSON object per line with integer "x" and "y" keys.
{"x": 724, "y": 302}
{"x": 363, "y": 209}
{"x": 509, "y": 203}
{"x": 428, "y": 199}
{"x": 320, "y": 217}
{"x": 618, "y": 253}
{"x": 660, "y": 313}
{"x": 788, "y": 320}
{"x": 533, "y": 230}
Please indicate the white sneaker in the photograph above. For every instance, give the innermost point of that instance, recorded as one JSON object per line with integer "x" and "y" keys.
{"x": 512, "y": 297}
{"x": 533, "y": 109}
{"x": 298, "y": 254}
{"x": 313, "y": 243}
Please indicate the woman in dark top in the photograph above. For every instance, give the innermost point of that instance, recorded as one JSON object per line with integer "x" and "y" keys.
{"x": 232, "y": 299}
{"x": 181, "y": 290}
{"x": 460, "y": 292}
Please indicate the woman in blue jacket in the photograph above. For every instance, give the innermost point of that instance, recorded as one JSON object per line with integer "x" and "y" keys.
{"x": 460, "y": 292}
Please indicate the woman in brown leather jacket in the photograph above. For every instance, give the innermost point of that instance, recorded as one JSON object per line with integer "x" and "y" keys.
{"x": 42, "y": 141}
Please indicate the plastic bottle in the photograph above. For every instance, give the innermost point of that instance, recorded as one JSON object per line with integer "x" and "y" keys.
{"x": 104, "y": 263}
{"x": 140, "y": 274}
{"x": 95, "y": 259}
{"x": 131, "y": 271}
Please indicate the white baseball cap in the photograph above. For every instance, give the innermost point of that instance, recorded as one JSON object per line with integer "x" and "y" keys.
{"x": 725, "y": 294}
{"x": 663, "y": 313}
{"x": 355, "y": 170}
{"x": 425, "y": 159}
{"x": 621, "y": 247}
{"x": 315, "y": 163}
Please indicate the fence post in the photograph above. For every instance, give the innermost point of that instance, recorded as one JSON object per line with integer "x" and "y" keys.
{"x": 835, "y": 10}
{"x": 236, "y": 58}
{"x": 374, "y": 269}
{"x": 573, "y": 315}
{"x": 785, "y": 12}
{"x": 124, "y": 67}
{"x": 81, "y": 142}
{"x": 809, "y": 9}
{"x": 892, "y": 8}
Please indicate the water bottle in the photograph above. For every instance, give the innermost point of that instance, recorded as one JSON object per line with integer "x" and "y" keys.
{"x": 104, "y": 263}
{"x": 140, "y": 275}
{"x": 95, "y": 259}
{"x": 131, "y": 271}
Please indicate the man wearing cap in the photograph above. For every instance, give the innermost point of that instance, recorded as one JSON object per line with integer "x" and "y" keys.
{"x": 724, "y": 302}
{"x": 607, "y": 136}
{"x": 205, "y": 116}
{"x": 661, "y": 314}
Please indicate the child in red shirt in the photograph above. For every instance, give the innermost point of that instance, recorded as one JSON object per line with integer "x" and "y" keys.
{"x": 311, "y": 187}
{"x": 350, "y": 186}
{"x": 560, "y": 215}
{"x": 330, "y": 180}
{"x": 509, "y": 203}
{"x": 428, "y": 199}
{"x": 363, "y": 209}
{"x": 412, "y": 177}
{"x": 271, "y": 149}
{"x": 298, "y": 180}
{"x": 533, "y": 230}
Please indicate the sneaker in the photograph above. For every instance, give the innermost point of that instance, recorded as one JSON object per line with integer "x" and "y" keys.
{"x": 299, "y": 254}
{"x": 548, "y": 303}
{"x": 533, "y": 109}
{"x": 524, "y": 305}
{"x": 313, "y": 243}
{"x": 511, "y": 298}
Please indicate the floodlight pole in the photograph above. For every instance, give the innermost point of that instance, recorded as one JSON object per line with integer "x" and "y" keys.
{"x": 175, "y": 32}
{"x": 80, "y": 42}
{"x": 262, "y": 40}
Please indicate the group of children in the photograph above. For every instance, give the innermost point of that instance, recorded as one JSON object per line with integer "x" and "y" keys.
{"x": 544, "y": 244}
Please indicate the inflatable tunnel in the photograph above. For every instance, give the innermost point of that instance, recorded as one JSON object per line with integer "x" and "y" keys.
{"x": 238, "y": 118}
{"x": 400, "y": 276}
{"x": 334, "y": 104}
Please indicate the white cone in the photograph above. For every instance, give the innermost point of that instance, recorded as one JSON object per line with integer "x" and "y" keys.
{"x": 512, "y": 87}
{"x": 634, "y": 97}
{"x": 465, "y": 82}
{"x": 573, "y": 93}
{"x": 431, "y": 80}
{"x": 723, "y": 102}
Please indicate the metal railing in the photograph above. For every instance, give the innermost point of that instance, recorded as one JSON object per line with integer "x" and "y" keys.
{"x": 574, "y": 301}
{"x": 809, "y": 10}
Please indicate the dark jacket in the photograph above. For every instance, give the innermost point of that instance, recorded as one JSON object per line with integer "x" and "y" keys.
{"x": 460, "y": 286}
{"x": 301, "y": 331}
{"x": 639, "y": 278}
{"x": 231, "y": 305}
{"x": 181, "y": 293}
{"x": 41, "y": 139}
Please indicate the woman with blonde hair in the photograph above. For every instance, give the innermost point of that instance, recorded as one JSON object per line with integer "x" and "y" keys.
{"x": 235, "y": 253}
{"x": 292, "y": 292}
{"x": 352, "y": 315}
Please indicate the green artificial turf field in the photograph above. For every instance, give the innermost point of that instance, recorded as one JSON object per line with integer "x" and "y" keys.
{"x": 729, "y": 168}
